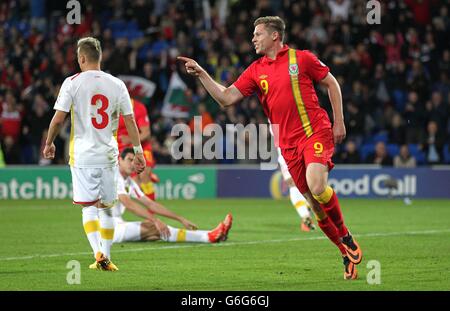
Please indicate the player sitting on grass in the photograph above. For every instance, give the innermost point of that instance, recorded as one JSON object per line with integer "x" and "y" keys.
{"x": 152, "y": 229}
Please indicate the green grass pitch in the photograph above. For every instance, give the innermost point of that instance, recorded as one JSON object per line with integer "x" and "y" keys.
{"x": 265, "y": 250}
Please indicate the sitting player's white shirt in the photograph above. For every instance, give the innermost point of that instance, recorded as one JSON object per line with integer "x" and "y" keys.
{"x": 95, "y": 100}
{"x": 128, "y": 187}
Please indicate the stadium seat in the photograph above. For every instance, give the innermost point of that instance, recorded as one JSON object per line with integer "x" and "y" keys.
{"x": 392, "y": 149}
{"x": 142, "y": 53}
{"x": 381, "y": 136}
{"x": 366, "y": 149}
{"x": 117, "y": 25}
{"x": 415, "y": 151}
{"x": 447, "y": 153}
{"x": 132, "y": 26}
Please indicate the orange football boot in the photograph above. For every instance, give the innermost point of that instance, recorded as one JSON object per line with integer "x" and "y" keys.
{"x": 350, "y": 272}
{"x": 352, "y": 249}
{"x": 216, "y": 235}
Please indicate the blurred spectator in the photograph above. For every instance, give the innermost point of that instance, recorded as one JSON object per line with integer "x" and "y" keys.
{"x": 436, "y": 110}
{"x": 414, "y": 117}
{"x": 10, "y": 119}
{"x": 421, "y": 10}
{"x": 350, "y": 154}
{"x": 205, "y": 119}
{"x": 11, "y": 150}
{"x": 354, "y": 120}
{"x": 380, "y": 156}
{"x": 433, "y": 144}
{"x": 35, "y": 125}
{"x": 339, "y": 9}
{"x": 404, "y": 158}
{"x": 397, "y": 131}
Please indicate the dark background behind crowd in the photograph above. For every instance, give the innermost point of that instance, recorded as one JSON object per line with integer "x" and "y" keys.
{"x": 394, "y": 76}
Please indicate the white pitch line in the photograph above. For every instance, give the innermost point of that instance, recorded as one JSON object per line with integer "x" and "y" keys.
{"x": 144, "y": 249}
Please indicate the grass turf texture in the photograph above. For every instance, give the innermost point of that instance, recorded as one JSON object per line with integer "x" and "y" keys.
{"x": 265, "y": 250}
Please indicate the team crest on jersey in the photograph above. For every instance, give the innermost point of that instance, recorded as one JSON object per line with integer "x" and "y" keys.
{"x": 293, "y": 69}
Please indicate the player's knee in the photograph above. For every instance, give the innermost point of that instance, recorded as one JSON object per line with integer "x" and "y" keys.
{"x": 145, "y": 230}
{"x": 148, "y": 231}
{"x": 317, "y": 188}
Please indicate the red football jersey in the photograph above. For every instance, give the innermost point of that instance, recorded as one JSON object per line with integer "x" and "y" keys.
{"x": 285, "y": 89}
{"x": 141, "y": 117}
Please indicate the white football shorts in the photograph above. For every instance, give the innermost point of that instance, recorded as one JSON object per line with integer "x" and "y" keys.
{"x": 93, "y": 184}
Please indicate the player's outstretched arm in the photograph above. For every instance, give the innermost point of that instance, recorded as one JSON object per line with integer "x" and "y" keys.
{"x": 133, "y": 206}
{"x": 158, "y": 209}
{"x": 137, "y": 210}
{"x": 53, "y": 130}
{"x": 225, "y": 96}
{"x": 334, "y": 93}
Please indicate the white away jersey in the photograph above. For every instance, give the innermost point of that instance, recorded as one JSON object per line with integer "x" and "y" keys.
{"x": 126, "y": 186}
{"x": 95, "y": 100}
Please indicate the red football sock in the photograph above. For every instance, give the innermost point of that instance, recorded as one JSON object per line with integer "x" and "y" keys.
{"x": 331, "y": 232}
{"x": 333, "y": 211}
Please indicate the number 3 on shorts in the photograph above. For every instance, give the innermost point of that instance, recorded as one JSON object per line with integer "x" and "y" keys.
{"x": 318, "y": 148}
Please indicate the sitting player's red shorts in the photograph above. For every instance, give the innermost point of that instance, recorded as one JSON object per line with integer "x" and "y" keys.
{"x": 318, "y": 148}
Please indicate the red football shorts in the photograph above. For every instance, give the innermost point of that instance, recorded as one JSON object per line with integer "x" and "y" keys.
{"x": 318, "y": 148}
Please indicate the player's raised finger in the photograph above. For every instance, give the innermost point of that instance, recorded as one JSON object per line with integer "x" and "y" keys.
{"x": 185, "y": 59}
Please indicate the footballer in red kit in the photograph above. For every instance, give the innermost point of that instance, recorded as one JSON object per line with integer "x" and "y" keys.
{"x": 297, "y": 122}
{"x": 147, "y": 177}
{"x": 283, "y": 81}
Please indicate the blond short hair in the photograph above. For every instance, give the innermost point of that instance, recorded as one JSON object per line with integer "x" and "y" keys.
{"x": 273, "y": 23}
{"x": 91, "y": 48}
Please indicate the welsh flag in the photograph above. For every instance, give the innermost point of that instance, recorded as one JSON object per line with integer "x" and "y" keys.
{"x": 175, "y": 102}
{"x": 138, "y": 87}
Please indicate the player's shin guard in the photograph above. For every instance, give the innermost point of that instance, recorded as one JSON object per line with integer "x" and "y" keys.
{"x": 329, "y": 202}
{"x": 183, "y": 235}
{"x": 330, "y": 230}
{"x": 106, "y": 230}
{"x": 91, "y": 227}
{"x": 149, "y": 190}
{"x": 299, "y": 202}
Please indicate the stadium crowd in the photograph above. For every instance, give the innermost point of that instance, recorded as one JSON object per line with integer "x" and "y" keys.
{"x": 394, "y": 75}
